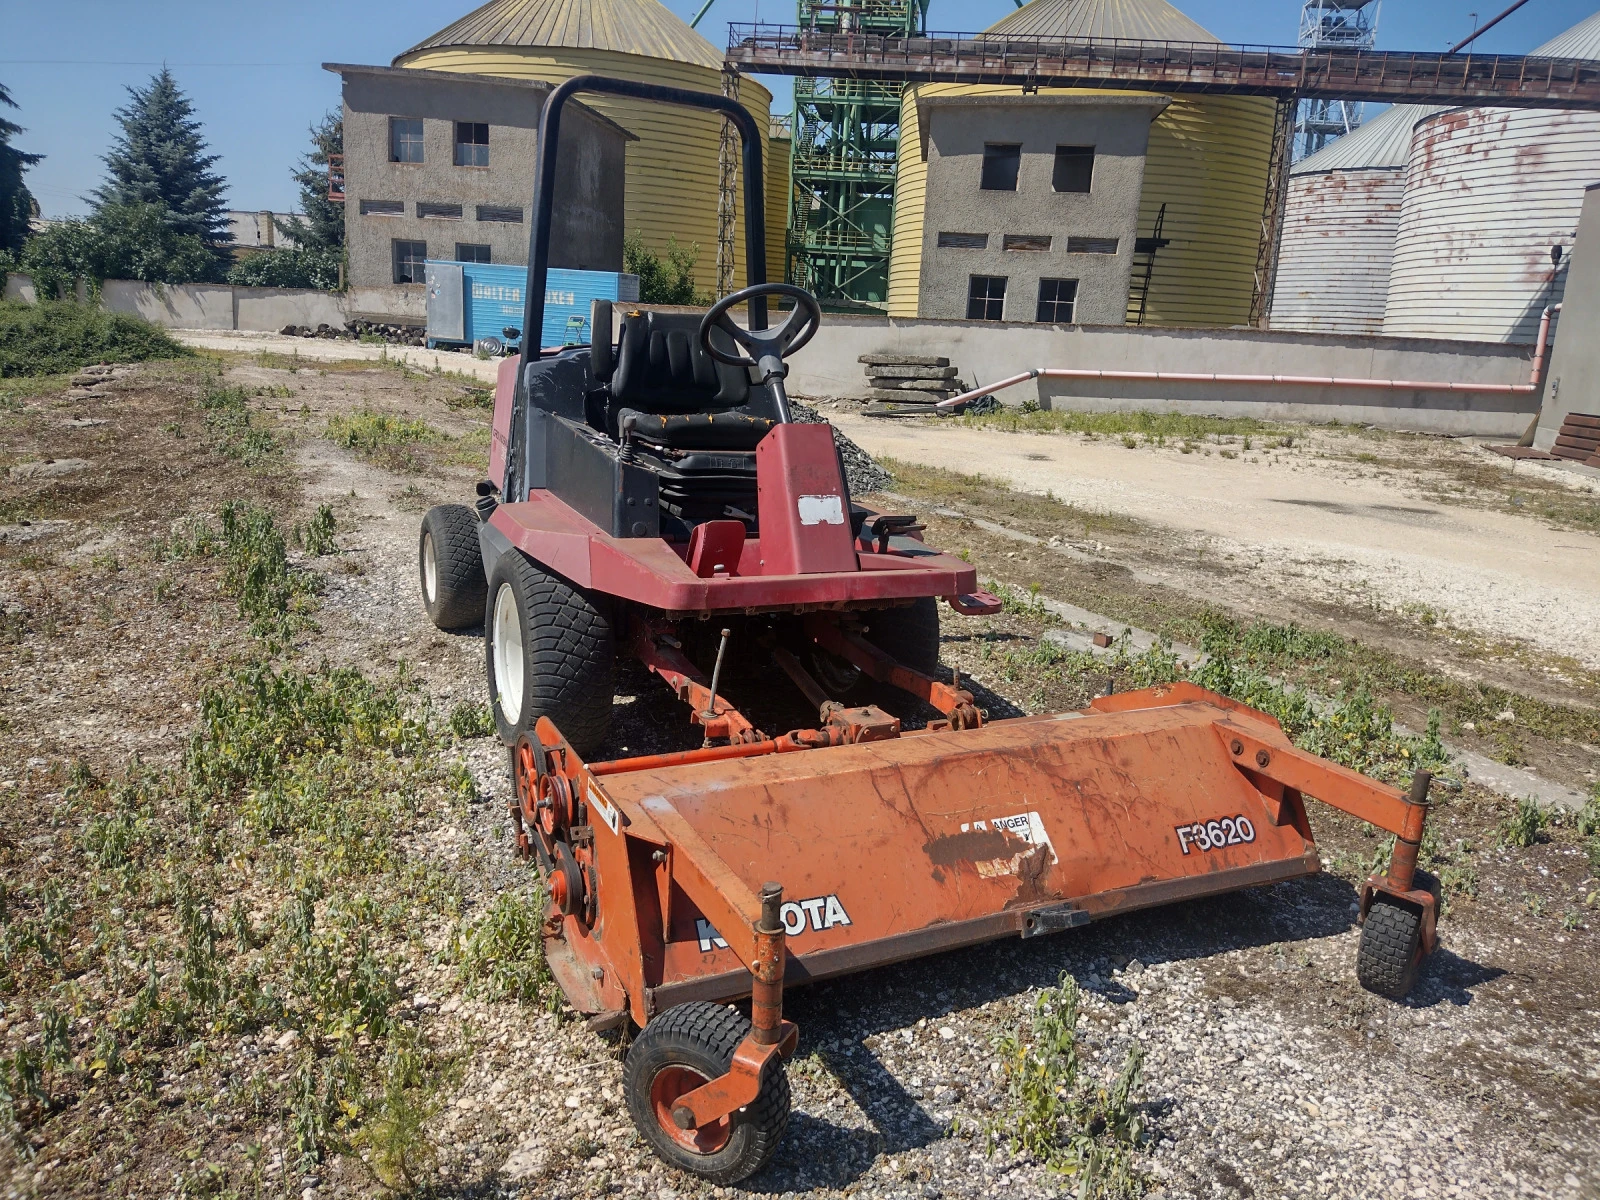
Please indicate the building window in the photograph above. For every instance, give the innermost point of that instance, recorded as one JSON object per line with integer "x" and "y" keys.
{"x": 986, "y": 298}
{"x": 1000, "y": 165}
{"x": 439, "y": 212}
{"x": 472, "y": 144}
{"x": 494, "y": 212}
{"x": 408, "y": 261}
{"x": 1027, "y": 241}
{"x": 383, "y": 208}
{"x": 1056, "y": 298}
{"x": 405, "y": 139}
{"x": 963, "y": 241}
{"x": 1074, "y": 168}
{"x": 1088, "y": 245}
{"x": 467, "y": 252}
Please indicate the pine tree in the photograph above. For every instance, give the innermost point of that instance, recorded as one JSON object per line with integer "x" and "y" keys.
{"x": 17, "y": 205}
{"x": 322, "y": 226}
{"x": 160, "y": 160}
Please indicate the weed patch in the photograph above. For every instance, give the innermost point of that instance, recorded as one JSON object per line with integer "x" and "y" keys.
{"x": 231, "y": 423}
{"x": 1152, "y": 426}
{"x": 1057, "y": 1113}
{"x": 501, "y": 954}
{"x": 60, "y": 336}
{"x": 369, "y": 433}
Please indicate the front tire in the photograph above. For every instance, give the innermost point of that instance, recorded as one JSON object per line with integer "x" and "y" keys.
{"x": 681, "y": 1049}
{"x": 450, "y": 567}
{"x": 1391, "y": 938}
{"x": 549, "y": 652}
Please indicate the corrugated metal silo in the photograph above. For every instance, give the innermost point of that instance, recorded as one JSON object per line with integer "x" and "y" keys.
{"x": 1488, "y": 192}
{"x": 1207, "y": 162}
{"x": 1339, "y": 225}
{"x": 672, "y": 175}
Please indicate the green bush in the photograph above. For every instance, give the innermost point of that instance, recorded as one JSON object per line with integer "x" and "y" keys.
{"x": 59, "y": 336}
{"x": 121, "y": 241}
{"x": 662, "y": 282}
{"x": 288, "y": 269}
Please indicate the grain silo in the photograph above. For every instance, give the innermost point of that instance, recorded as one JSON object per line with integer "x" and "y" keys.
{"x": 1488, "y": 193}
{"x": 672, "y": 175}
{"x": 1339, "y": 225}
{"x": 1206, "y": 163}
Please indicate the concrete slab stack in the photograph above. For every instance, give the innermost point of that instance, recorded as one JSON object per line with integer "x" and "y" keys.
{"x": 910, "y": 379}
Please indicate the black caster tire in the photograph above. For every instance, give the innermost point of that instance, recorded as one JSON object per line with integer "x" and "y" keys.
{"x": 549, "y": 651}
{"x": 450, "y": 567}
{"x": 681, "y": 1049}
{"x": 1388, "y": 958}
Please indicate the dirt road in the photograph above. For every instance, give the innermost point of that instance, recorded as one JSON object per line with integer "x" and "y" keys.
{"x": 1298, "y": 523}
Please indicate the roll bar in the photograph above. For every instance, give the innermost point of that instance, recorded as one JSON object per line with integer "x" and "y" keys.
{"x": 544, "y": 193}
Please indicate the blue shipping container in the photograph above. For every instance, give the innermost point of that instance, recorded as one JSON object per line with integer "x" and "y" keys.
{"x": 468, "y": 301}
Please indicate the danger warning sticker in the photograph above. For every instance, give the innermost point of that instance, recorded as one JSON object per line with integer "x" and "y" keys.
{"x": 1028, "y": 826}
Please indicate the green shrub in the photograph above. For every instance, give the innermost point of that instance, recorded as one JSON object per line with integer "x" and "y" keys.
{"x": 55, "y": 337}
{"x": 285, "y": 268}
{"x": 669, "y": 281}
{"x": 121, "y": 241}
{"x": 1526, "y": 825}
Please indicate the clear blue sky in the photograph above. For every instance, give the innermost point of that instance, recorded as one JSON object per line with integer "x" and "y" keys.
{"x": 253, "y": 70}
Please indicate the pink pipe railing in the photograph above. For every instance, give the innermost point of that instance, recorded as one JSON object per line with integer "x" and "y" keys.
{"x": 1407, "y": 385}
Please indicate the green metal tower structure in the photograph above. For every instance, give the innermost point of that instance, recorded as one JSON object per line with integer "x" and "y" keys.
{"x": 845, "y": 143}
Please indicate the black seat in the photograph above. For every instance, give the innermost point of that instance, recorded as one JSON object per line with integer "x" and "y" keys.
{"x": 669, "y": 391}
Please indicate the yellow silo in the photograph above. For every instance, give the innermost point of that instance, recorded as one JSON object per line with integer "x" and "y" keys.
{"x": 1207, "y": 162}
{"x": 672, "y": 179}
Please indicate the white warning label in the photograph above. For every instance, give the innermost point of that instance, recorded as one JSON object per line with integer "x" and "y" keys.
{"x": 821, "y": 510}
{"x": 1028, "y": 826}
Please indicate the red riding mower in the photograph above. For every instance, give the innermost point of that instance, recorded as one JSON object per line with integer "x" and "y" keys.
{"x": 653, "y": 481}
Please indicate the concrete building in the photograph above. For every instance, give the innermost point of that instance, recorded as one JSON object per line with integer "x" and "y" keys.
{"x": 673, "y": 170}
{"x": 1205, "y": 175}
{"x": 254, "y": 231}
{"x": 440, "y": 165}
{"x": 1031, "y": 205}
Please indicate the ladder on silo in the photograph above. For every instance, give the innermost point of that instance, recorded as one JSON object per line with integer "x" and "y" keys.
{"x": 1144, "y": 265}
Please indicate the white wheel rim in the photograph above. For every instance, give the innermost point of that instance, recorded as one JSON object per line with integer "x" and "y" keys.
{"x": 430, "y": 569}
{"x": 508, "y": 654}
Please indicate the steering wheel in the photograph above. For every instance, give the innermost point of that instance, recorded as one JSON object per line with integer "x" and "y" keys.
{"x": 769, "y": 347}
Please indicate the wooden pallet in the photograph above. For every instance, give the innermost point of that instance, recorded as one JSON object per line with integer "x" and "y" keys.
{"x": 1579, "y": 439}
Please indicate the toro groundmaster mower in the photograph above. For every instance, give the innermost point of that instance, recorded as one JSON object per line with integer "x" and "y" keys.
{"x": 650, "y": 487}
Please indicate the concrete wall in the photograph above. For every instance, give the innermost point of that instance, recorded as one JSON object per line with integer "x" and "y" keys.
{"x": 223, "y": 306}
{"x": 1573, "y": 383}
{"x": 588, "y": 229}
{"x": 954, "y": 130}
{"x": 986, "y": 353}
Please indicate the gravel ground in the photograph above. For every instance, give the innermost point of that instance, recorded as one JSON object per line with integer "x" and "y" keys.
{"x": 1269, "y": 1072}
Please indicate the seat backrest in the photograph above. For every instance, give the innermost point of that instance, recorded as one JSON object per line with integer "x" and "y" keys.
{"x": 660, "y": 367}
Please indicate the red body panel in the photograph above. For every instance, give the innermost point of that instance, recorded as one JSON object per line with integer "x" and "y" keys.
{"x": 804, "y": 515}
{"x": 650, "y": 571}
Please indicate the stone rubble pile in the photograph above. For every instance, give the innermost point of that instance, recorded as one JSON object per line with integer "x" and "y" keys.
{"x": 395, "y": 335}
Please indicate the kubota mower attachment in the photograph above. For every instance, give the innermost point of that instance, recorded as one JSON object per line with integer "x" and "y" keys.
{"x": 654, "y": 481}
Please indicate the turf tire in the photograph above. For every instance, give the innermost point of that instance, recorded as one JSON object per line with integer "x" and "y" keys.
{"x": 702, "y": 1037}
{"x": 453, "y": 585}
{"x": 910, "y": 634}
{"x": 567, "y": 654}
{"x": 1387, "y": 960}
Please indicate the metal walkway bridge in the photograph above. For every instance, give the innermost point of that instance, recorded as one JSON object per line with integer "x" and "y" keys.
{"x": 1284, "y": 72}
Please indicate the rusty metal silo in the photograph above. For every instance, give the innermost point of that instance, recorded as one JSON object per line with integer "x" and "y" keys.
{"x": 1340, "y": 220}
{"x": 1488, "y": 193}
